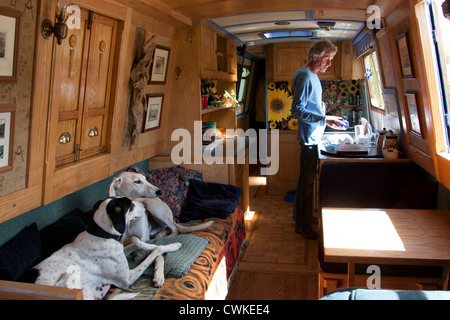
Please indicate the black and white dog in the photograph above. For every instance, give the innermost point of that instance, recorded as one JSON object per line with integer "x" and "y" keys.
{"x": 97, "y": 259}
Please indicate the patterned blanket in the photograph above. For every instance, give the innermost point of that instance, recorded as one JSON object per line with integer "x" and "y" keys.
{"x": 226, "y": 238}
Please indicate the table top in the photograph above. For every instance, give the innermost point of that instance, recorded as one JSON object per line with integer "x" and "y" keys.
{"x": 386, "y": 236}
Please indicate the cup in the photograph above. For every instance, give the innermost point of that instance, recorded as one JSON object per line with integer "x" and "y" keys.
{"x": 359, "y": 132}
{"x": 204, "y": 102}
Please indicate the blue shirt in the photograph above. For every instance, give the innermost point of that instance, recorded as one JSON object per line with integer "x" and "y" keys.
{"x": 307, "y": 106}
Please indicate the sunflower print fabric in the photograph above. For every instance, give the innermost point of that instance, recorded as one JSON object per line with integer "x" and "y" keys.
{"x": 335, "y": 95}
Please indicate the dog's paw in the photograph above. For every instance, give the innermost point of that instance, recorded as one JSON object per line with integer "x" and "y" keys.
{"x": 171, "y": 247}
{"x": 158, "y": 281}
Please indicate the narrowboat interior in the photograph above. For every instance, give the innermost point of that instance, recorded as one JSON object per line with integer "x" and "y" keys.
{"x": 195, "y": 96}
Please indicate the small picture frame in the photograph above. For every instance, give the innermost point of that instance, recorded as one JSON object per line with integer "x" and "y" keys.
{"x": 390, "y": 101}
{"x": 9, "y": 44}
{"x": 160, "y": 65}
{"x": 153, "y": 112}
{"x": 414, "y": 112}
{"x": 405, "y": 58}
{"x": 7, "y": 115}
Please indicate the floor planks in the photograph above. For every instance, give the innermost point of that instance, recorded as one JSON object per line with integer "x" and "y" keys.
{"x": 278, "y": 263}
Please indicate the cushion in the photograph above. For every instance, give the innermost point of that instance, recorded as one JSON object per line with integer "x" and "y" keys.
{"x": 174, "y": 182}
{"x": 64, "y": 231}
{"x": 208, "y": 200}
{"x": 177, "y": 264}
{"x": 20, "y": 254}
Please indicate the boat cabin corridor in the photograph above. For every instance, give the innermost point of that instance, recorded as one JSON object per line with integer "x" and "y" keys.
{"x": 203, "y": 104}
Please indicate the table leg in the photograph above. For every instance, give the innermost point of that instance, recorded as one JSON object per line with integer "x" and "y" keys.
{"x": 446, "y": 278}
{"x": 351, "y": 275}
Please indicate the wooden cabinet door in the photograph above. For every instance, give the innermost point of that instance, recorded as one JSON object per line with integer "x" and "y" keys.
{"x": 232, "y": 57}
{"x": 66, "y": 109}
{"x": 97, "y": 88}
{"x": 288, "y": 58}
{"x": 80, "y": 97}
{"x": 209, "y": 48}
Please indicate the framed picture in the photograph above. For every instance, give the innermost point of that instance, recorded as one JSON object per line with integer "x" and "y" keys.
{"x": 414, "y": 113}
{"x": 160, "y": 65}
{"x": 405, "y": 60}
{"x": 7, "y": 113}
{"x": 152, "y": 118}
{"x": 9, "y": 43}
{"x": 390, "y": 102}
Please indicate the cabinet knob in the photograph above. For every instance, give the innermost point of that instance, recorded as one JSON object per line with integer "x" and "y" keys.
{"x": 93, "y": 132}
{"x": 65, "y": 138}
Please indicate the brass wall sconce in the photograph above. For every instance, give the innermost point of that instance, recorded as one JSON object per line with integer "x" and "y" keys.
{"x": 60, "y": 29}
{"x": 446, "y": 8}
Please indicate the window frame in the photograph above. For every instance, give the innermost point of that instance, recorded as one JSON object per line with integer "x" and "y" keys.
{"x": 440, "y": 152}
{"x": 379, "y": 108}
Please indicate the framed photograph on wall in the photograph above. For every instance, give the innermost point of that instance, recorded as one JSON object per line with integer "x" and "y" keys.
{"x": 7, "y": 113}
{"x": 160, "y": 65}
{"x": 414, "y": 112}
{"x": 405, "y": 58}
{"x": 152, "y": 117}
{"x": 9, "y": 44}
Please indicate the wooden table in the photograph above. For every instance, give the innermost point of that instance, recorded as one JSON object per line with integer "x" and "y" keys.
{"x": 386, "y": 236}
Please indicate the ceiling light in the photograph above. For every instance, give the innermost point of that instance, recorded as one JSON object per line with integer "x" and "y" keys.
{"x": 326, "y": 25}
{"x": 288, "y": 34}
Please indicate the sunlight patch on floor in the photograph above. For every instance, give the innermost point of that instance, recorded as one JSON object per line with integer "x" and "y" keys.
{"x": 257, "y": 181}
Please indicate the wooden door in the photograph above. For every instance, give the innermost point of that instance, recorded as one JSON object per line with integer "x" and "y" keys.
{"x": 97, "y": 87}
{"x": 69, "y": 64}
{"x": 232, "y": 57}
{"x": 288, "y": 58}
{"x": 209, "y": 48}
{"x": 80, "y": 95}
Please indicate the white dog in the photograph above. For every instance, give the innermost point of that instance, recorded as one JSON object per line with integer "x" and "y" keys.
{"x": 135, "y": 186}
{"x": 97, "y": 259}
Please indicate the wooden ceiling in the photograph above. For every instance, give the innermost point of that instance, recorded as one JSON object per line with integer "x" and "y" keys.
{"x": 207, "y": 9}
{"x": 185, "y": 12}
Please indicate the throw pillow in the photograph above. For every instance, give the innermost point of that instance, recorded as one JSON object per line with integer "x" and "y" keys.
{"x": 174, "y": 182}
{"x": 207, "y": 200}
{"x": 20, "y": 254}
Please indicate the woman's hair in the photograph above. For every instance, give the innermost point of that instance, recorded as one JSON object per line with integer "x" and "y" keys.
{"x": 319, "y": 48}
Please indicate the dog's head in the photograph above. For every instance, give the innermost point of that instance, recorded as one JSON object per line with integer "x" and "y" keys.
{"x": 133, "y": 185}
{"x": 114, "y": 214}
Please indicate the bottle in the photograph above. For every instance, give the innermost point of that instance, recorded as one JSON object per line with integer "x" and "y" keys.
{"x": 381, "y": 139}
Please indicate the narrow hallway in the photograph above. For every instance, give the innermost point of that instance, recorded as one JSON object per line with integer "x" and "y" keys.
{"x": 278, "y": 263}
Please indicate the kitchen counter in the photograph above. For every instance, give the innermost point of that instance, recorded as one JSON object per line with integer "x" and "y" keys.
{"x": 328, "y": 152}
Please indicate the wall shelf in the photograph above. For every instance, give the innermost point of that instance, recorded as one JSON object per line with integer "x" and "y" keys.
{"x": 214, "y": 109}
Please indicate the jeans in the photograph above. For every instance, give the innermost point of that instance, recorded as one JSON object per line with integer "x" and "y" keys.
{"x": 304, "y": 195}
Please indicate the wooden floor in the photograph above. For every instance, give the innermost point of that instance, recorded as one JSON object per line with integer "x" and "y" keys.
{"x": 278, "y": 263}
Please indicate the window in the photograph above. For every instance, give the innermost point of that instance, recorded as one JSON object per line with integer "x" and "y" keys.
{"x": 373, "y": 77}
{"x": 440, "y": 27}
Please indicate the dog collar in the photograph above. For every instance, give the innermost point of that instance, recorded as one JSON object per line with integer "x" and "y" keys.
{"x": 95, "y": 230}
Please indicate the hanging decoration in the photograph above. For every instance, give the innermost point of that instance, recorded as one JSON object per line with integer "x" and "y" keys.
{"x": 139, "y": 78}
